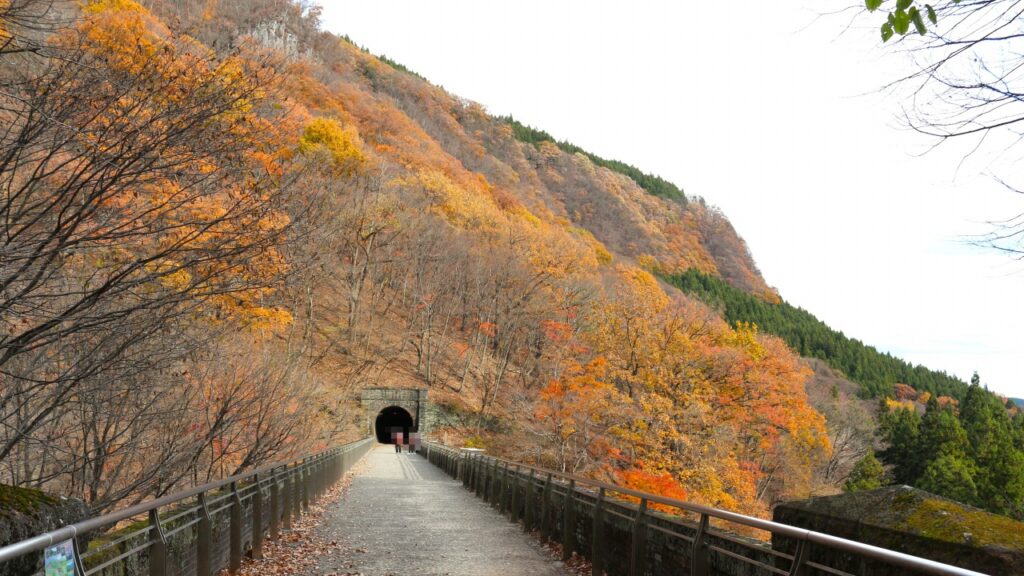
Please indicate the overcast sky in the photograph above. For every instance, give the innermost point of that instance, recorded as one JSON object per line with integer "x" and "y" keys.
{"x": 769, "y": 113}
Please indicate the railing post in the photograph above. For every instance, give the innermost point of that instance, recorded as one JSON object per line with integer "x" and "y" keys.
{"x": 502, "y": 479}
{"x": 157, "y": 545}
{"x": 306, "y": 480}
{"x": 639, "y": 548}
{"x": 528, "y": 513}
{"x": 488, "y": 480}
{"x": 275, "y": 506}
{"x": 204, "y": 539}
{"x": 569, "y": 521}
{"x": 545, "y": 528}
{"x": 318, "y": 479}
{"x": 495, "y": 485}
{"x": 477, "y": 474}
{"x": 597, "y": 542}
{"x": 236, "y": 530}
{"x": 480, "y": 475}
{"x": 287, "y": 501}
{"x": 514, "y": 504}
{"x": 297, "y": 492}
{"x": 321, "y": 484}
{"x": 799, "y": 567}
{"x": 257, "y": 519}
{"x": 699, "y": 559}
{"x": 313, "y": 479}
{"x": 76, "y": 549}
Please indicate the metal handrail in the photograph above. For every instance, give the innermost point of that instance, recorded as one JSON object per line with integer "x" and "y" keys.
{"x": 801, "y": 535}
{"x": 304, "y": 466}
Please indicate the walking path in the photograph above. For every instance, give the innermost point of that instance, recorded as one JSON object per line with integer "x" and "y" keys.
{"x": 402, "y": 516}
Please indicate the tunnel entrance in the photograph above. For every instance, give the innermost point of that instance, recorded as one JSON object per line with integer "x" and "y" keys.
{"x": 393, "y": 419}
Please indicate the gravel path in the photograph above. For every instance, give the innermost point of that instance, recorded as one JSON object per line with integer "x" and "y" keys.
{"x": 402, "y": 516}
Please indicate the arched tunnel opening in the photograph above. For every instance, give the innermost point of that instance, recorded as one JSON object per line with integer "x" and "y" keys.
{"x": 390, "y": 421}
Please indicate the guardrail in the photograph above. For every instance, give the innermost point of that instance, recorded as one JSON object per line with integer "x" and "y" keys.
{"x": 617, "y": 530}
{"x": 203, "y": 530}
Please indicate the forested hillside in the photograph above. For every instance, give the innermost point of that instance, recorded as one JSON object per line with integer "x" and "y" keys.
{"x": 972, "y": 452}
{"x": 875, "y": 371}
{"x": 967, "y": 446}
{"x": 654, "y": 184}
{"x": 222, "y": 222}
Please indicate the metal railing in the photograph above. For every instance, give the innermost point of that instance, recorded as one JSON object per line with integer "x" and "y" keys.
{"x": 203, "y": 530}
{"x": 619, "y": 532}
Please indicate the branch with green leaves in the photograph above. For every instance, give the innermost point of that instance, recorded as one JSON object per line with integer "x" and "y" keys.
{"x": 907, "y": 13}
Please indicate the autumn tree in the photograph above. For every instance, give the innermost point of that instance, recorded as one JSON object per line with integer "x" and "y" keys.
{"x": 577, "y": 416}
{"x": 143, "y": 214}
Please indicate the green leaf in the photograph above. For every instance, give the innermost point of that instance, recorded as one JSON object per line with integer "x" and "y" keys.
{"x": 915, "y": 17}
{"x": 901, "y": 22}
{"x": 872, "y": 5}
{"x": 886, "y": 32}
{"x": 931, "y": 14}
{"x": 903, "y": 4}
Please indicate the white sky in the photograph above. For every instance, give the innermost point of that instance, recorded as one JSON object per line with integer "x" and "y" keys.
{"x": 771, "y": 115}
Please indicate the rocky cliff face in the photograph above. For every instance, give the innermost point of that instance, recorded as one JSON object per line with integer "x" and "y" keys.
{"x": 24, "y": 513}
{"x": 912, "y": 521}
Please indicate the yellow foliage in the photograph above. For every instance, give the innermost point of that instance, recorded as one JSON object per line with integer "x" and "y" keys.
{"x": 466, "y": 208}
{"x": 209, "y": 10}
{"x": 119, "y": 31}
{"x": 267, "y": 319}
{"x": 893, "y": 405}
{"x": 171, "y": 275}
{"x": 529, "y": 216}
{"x": 4, "y": 34}
{"x": 341, "y": 143}
{"x": 744, "y": 337}
{"x": 98, "y": 6}
{"x": 602, "y": 254}
{"x": 648, "y": 262}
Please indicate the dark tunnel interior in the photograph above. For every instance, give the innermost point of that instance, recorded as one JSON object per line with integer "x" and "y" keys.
{"x": 393, "y": 419}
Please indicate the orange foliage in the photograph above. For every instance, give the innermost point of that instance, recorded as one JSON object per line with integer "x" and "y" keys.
{"x": 620, "y": 378}
{"x": 135, "y": 43}
{"x": 904, "y": 392}
{"x": 660, "y": 483}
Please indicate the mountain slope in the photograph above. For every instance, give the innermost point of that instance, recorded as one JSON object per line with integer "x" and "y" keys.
{"x": 329, "y": 222}
{"x": 876, "y": 372}
{"x": 563, "y": 183}
{"x": 509, "y": 277}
